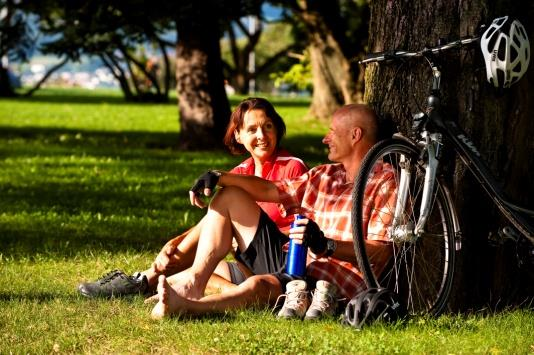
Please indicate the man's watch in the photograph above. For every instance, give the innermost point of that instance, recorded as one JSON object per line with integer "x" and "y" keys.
{"x": 331, "y": 246}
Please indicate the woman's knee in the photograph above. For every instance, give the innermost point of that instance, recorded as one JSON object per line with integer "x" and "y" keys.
{"x": 229, "y": 193}
{"x": 267, "y": 286}
{"x": 232, "y": 197}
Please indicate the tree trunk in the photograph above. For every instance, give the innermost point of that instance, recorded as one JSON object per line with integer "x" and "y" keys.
{"x": 334, "y": 80}
{"x": 5, "y": 86}
{"x": 167, "y": 67}
{"x": 115, "y": 69}
{"x": 203, "y": 105}
{"x": 46, "y": 76}
{"x": 500, "y": 124}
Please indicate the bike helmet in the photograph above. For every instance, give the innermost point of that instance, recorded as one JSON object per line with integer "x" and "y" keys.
{"x": 506, "y": 52}
{"x": 371, "y": 305}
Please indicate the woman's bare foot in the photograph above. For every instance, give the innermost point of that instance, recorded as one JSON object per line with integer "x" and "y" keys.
{"x": 169, "y": 301}
{"x": 183, "y": 284}
{"x": 152, "y": 299}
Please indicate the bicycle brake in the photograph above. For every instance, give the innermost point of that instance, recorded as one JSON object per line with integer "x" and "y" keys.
{"x": 418, "y": 119}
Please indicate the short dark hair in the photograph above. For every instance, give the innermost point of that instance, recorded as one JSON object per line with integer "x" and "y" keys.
{"x": 238, "y": 116}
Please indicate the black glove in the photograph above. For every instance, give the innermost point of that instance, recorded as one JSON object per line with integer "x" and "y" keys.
{"x": 314, "y": 238}
{"x": 208, "y": 180}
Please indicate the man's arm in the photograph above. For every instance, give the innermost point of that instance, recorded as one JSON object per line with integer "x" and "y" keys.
{"x": 306, "y": 229}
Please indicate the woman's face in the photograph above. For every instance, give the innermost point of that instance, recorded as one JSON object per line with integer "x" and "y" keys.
{"x": 258, "y": 135}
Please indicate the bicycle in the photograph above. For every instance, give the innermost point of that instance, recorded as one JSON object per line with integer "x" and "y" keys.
{"x": 423, "y": 227}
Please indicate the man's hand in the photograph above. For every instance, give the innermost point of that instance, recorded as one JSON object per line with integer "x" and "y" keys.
{"x": 204, "y": 184}
{"x": 308, "y": 232}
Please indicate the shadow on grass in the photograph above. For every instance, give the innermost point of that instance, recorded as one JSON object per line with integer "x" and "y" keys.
{"x": 36, "y": 296}
{"x": 101, "y": 140}
{"x": 58, "y": 192}
{"x": 81, "y": 97}
{"x": 56, "y": 141}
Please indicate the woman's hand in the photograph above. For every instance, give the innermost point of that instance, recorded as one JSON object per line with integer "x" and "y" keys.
{"x": 205, "y": 184}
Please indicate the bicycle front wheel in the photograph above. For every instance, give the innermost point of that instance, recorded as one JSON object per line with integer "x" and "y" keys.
{"x": 386, "y": 208}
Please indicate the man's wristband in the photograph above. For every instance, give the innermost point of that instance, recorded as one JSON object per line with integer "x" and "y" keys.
{"x": 331, "y": 246}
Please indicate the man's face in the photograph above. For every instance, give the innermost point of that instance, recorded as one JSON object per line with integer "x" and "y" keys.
{"x": 338, "y": 140}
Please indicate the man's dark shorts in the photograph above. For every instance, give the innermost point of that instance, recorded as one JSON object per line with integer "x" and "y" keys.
{"x": 264, "y": 255}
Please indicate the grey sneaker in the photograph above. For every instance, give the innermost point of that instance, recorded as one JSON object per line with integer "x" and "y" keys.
{"x": 115, "y": 284}
{"x": 324, "y": 301}
{"x": 296, "y": 302}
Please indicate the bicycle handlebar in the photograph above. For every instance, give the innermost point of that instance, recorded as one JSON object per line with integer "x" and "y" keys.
{"x": 398, "y": 54}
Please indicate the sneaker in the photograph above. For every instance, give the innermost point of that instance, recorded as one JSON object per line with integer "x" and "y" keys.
{"x": 296, "y": 302}
{"x": 324, "y": 301}
{"x": 115, "y": 283}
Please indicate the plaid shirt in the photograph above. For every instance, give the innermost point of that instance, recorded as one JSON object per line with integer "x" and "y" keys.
{"x": 325, "y": 195}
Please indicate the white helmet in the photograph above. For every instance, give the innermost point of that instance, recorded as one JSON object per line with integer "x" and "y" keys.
{"x": 506, "y": 52}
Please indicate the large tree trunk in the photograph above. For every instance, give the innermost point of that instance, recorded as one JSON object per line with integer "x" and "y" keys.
{"x": 334, "y": 80}
{"x": 500, "y": 124}
{"x": 203, "y": 105}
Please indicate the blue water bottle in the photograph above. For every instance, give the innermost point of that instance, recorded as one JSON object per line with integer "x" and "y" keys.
{"x": 296, "y": 255}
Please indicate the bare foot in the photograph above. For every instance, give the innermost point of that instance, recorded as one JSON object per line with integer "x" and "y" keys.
{"x": 169, "y": 301}
{"x": 152, "y": 299}
{"x": 183, "y": 284}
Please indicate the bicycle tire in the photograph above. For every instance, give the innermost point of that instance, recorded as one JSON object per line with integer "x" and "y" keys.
{"x": 420, "y": 269}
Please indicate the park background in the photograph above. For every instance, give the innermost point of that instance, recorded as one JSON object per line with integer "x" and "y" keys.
{"x": 92, "y": 180}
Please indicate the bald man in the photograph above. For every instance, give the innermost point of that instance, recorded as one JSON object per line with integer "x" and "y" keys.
{"x": 323, "y": 195}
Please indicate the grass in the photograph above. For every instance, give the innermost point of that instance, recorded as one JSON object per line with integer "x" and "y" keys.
{"x": 89, "y": 183}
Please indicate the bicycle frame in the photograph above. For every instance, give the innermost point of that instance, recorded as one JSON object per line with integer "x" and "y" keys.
{"x": 471, "y": 157}
{"x": 461, "y": 143}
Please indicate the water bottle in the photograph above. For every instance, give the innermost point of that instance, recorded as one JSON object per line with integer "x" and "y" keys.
{"x": 296, "y": 255}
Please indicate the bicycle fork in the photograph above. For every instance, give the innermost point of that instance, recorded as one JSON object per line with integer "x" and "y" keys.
{"x": 406, "y": 231}
{"x": 433, "y": 150}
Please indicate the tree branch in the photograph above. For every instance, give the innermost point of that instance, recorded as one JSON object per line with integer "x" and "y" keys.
{"x": 46, "y": 76}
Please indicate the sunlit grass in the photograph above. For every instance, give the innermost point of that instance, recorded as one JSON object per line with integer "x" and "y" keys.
{"x": 89, "y": 183}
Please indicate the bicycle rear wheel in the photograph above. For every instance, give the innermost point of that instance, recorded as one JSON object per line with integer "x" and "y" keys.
{"x": 418, "y": 267}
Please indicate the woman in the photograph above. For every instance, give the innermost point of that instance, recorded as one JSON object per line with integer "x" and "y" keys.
{"x": 255, "y": 127}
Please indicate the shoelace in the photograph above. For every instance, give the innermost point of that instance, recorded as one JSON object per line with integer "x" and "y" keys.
{"x": 110, "y": 276}
{"x": 322, "y": 300}
{"x": 296, "y": 301}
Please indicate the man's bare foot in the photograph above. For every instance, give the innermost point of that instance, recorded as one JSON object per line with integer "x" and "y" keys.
{"x": 169, "y": 301}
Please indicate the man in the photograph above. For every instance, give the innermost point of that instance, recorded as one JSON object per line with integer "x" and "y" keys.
{"x": 324, "y": 194}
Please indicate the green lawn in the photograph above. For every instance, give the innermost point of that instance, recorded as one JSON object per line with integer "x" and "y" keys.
{"x": 89, "y": 183}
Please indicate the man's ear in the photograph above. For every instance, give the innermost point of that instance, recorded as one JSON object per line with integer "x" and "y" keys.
{"x": 237, "y": 137}
{"x": 356, "y": 134}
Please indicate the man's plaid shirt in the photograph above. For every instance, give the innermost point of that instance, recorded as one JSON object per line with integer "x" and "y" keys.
{"x": 325, "y": 195}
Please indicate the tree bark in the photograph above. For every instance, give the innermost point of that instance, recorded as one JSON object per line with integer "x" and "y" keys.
{"x": 334, "y": 80}
{"x": 500, "y": 124}
{"x": 203, "y": 105}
